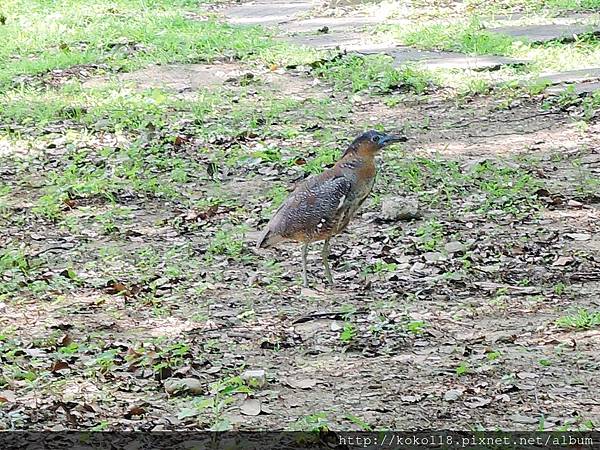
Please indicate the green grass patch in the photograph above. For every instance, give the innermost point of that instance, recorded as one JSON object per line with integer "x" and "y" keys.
{"x": 532, "y": 6}
{"x": 583, "y": 320}
{"x": 40, "y": 35}
{"x": 485, "y": 187}
{"x": 468, "y": 38}
{"x": 471, "y": 37}
{"x": 375, "y": 73}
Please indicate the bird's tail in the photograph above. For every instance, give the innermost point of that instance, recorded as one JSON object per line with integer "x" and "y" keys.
{"x": 267, "y": 239}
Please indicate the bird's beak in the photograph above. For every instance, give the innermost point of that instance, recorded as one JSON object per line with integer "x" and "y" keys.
{"x": 392, "y": 138}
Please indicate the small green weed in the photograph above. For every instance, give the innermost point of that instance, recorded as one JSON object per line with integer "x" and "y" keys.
{"x": 227, "y": 243}
{"x": 313, "y": 423}
{"x": 462, "y": 369}
{"x": 348, "y": 333}
{"x": 375, "y": 73}
{"x": 583, "y": 320}
{"x": 430, "y": 235}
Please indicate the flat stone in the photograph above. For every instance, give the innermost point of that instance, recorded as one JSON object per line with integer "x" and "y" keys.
{"x": 174, "y": 386}
{"x": 448, "y": 60}
{"x": 399, "y": 208}
{"x": 478, "y": 63}
{"x": 580, "y": 89}
{"x": 455, "y": 247}
{"x": 572, "y": 76}
{"x": 266, "y": 12}
{"x": 538, "y": 34}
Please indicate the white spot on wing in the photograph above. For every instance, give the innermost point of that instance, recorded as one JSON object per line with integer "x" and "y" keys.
{"x": 341, "y": 203}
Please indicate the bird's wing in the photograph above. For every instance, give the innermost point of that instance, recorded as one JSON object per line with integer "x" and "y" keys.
{"x": 311, "y": 209}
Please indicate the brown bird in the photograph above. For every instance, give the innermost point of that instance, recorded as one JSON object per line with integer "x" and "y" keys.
{"x": 322, "y": 205}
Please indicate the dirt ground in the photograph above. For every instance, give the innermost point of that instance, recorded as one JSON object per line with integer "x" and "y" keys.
{"x": 459, "y": 334}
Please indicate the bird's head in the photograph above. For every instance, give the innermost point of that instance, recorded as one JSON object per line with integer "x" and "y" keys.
{"x": 370, "y": 142}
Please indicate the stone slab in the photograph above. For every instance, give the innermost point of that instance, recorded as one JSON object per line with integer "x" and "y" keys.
{"x": 572, "y": 76}
{"x": 584, "y": 88}
{"x": 451, "y": 60}
{"x": 548, "y": 32}
{"x": 356, "y": 43}
{"x": 263, "y": 12}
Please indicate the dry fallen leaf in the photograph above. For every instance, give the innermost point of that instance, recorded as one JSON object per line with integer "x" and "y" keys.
{"x": 58, "y": 366}
{"x": 135, "y": 410}
{"x": 579, "y": 236}
{"x": 453, "y": 394}
{"x": 562, "y": 261}
{"x": 304, "y": 383}
{"x": 7, "y": 397}
{"x": 477, "y": 402}
{"x": 526, "y": 375}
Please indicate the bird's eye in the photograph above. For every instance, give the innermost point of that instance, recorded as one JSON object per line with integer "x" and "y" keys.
{"x": 375, "y": 138}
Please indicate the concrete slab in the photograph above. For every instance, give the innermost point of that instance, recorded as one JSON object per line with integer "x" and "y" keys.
{"x": 580, "y": 89}
{"x": 572, "y": 76}
{"x": 356, "y": 43}
{"x": 451, "y": 60}
{"x": 548, "y": 32}
{"x": 263, "y": 12}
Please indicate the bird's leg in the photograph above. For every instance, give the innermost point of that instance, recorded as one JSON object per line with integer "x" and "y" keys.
{"x": 325, "y": 256}
{"x": 304, "y": 253}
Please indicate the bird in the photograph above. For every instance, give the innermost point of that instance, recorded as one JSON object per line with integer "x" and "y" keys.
{"x": 322, "y": 205}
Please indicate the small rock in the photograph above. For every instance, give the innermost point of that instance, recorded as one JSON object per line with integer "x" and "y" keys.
{"x": 574, "y": 204}
{"x": 335, "y": 326}
{"x": 455, "y": 247}
{"x": 399, "y": 208}
{"x": 433, "y": 256}
{"x": 255, "y": 378}
{"x": 417, "y": 267}
{"x": 504, "y": 398}
{"x": 579, "y": 236}
{"x": 452, "y": 395}
{"x": 251, "y": 407}
{"x": 175, "y": 386}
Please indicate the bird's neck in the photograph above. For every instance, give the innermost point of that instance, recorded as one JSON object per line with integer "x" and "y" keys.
{"x": 364, "y": 165}
{"x": 361, "y": 151}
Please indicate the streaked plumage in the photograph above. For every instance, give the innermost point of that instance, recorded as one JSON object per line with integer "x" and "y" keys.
{"x": 322, "y": 205}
